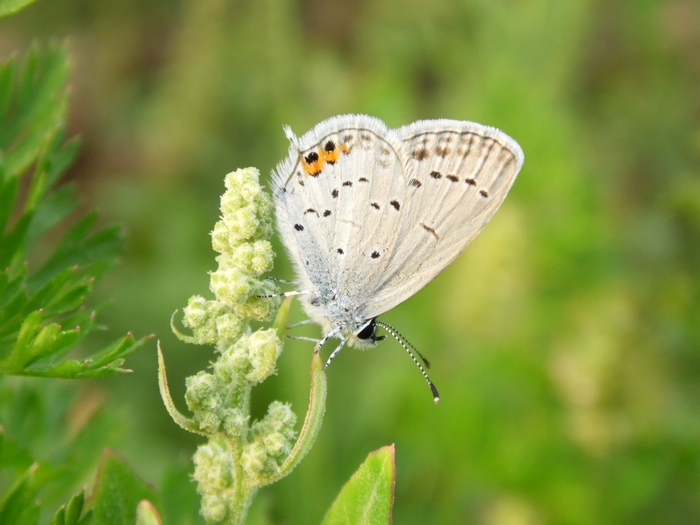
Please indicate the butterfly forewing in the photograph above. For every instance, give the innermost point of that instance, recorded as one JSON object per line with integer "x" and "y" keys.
{"x": 340, "y": 219}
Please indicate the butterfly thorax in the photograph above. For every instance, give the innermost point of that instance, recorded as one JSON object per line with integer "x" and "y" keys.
{"x": 333, "y": 312}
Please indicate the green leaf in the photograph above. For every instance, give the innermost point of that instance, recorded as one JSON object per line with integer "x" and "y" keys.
{"x": 36, "y": 109}
{"x": 146, "y": 514}
{"x": 81, "y": 247}
{"x": 18, "y": 506}
{"x": 72, "y": 514}
{"x": 367, "y": 499}
{"x": 118, "y": 492}
{"x": 39, "y": 348}
{"x": 34, "y": 153}
{"x": 312, "y": 421}
{"x": 179, "y": 418}
{"x": 10, "y": 7}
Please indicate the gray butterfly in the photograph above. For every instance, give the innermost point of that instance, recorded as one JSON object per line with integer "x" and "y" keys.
{"x": 370, "y": 215}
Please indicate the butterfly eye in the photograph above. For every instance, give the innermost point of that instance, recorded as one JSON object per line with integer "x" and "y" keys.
{"x": 369, "y": 331}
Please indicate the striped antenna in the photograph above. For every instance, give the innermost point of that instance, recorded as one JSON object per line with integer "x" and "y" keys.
{"x": 405, "y": 343}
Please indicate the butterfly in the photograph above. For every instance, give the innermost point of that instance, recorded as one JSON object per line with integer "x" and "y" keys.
{"x": 370, "y": 215}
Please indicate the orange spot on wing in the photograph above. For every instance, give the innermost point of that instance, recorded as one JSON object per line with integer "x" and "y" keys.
{"x": 315, "y": 167}
{"x": 331, "y": 156}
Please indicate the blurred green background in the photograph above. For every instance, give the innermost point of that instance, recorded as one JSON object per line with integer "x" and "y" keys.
{"x": 565, "y": 340}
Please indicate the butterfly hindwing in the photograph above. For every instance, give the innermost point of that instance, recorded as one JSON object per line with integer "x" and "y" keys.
{"x": 458, "y": 174}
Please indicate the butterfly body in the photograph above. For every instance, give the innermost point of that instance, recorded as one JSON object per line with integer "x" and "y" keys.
{"x": 370, "y": 215}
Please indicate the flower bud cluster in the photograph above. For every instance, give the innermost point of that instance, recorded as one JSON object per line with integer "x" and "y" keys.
{"x": 241, "y": 455}
{"x": 213, "y": 474}
{"x": 271, "y": 441}
{"x": 241, "y": 237}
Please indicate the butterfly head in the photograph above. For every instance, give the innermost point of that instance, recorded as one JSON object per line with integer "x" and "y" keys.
{"x": 365, "y": 336}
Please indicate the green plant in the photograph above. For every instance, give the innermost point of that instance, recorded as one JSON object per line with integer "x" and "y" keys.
{"x": 241, "y": 455}
{"x": 48, "y": 268}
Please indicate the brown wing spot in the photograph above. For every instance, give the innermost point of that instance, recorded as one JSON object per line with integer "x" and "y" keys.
{"x": 469, "y": 181}
{"x": 334, "y": 193}
{"x": 453, "y": 178}
{"x": 431, "y": 230}
{"x": 299, "y": 227}
{"x": 375, "y": 205}
{"x": 484, "y": 193}
{"x": 301, "y": 181}
{"x": 442, "y": 151}
{"x": 326, "y": 213}
{"x": 348, "y": 137}
{"x": 396, "y": 204}
{"x": 365, "y": 137}
{"x": 375, "y": 255}
{"x": 415, "y": 182}
{"x": 340, "y": 251}
{"x": 310, "y": 210}
{"x": 436, "y": 174}
{"x": 364, "y": 179}
{"x": 384, "y": 150}
{"x": 347, "y": 183}
{"x": 421, "y": 154}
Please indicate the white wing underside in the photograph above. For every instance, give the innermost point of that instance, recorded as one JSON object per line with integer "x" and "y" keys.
{"x": 392, "y": 212}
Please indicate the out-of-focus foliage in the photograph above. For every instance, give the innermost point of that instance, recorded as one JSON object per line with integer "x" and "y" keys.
{"x": 47, "y": 442}
{"x": 8, "y": 7}
{"x": 565, "y": 340}
{"x": 32, "y": 146}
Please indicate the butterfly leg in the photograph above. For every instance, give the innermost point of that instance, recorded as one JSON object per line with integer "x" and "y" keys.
{"x": 282, "y": 281}
{"x": 302, "y": 338}
{"x": 300, "y": 323}
{"x": 335, "y": 352}
{"x": 284, "y": 294}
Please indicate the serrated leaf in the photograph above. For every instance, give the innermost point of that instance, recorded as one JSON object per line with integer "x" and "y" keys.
{"x": 368, "y": 498}
{"x": 40, "y": 93}
{"x": 9, "y": 7}
{"x": 74, "y": 509}
{"x": 70, "y": 514}
{"x": 33, "y": 99}
{"x": 118, "y": 492}
{"x": 80, "y": 247}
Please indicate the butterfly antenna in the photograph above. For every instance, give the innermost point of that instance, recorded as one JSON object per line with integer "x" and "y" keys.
{"x": 403, "y": 338}
{"x": 404, "y": 342}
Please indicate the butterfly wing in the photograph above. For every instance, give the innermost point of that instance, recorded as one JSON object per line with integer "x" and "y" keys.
{"x": 339, "y": 198}
{"x": 457, "y": 174}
